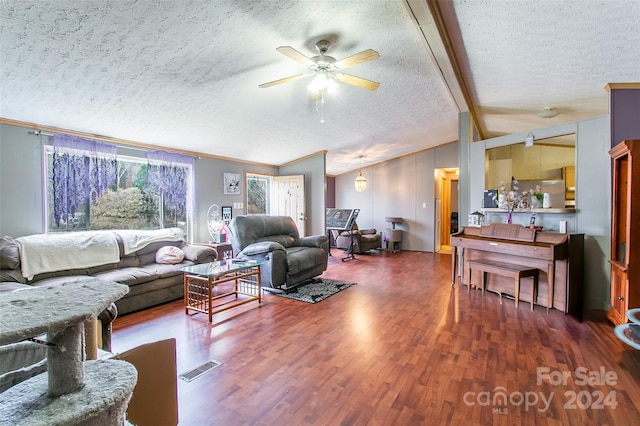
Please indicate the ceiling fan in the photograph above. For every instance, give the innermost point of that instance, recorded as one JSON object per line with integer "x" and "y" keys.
{"x": 326, "y": 68}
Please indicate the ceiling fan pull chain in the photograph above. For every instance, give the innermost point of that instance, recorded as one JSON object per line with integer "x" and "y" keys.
{"x": 322, "y": 106}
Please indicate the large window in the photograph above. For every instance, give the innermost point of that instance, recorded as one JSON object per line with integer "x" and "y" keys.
{"x": 258, "y": 193}
{"x": 130, "y": 201}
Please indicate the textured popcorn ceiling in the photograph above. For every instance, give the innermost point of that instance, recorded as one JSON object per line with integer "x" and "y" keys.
{"x": 185, "y": 74}
{"x": 521, "y": 56}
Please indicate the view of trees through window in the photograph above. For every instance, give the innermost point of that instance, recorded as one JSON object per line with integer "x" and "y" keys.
{"x": 258, "y": 193}
{"x": 128, "y": 204}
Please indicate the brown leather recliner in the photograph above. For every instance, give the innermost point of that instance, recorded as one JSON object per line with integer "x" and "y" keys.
{"x": 364, "y": 240}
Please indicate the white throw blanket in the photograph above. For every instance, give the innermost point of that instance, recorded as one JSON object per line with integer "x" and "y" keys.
{"x": 74, "y": 250}
{"x": 135, "y": 240}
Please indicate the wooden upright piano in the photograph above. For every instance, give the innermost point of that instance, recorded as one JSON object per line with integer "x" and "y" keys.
{"x": 558, "y": 257}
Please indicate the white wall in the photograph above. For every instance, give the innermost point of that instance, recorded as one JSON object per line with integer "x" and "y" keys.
{"x": 314, "y": 169}
{"x": 593, "y": 193}
{"x": 403, "y": 187}
{"x": 21, "y": 203}
{"x": 209, "y": 177}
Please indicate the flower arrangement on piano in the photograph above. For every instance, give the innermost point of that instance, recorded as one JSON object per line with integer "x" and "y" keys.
{"x": 512, "y": 199}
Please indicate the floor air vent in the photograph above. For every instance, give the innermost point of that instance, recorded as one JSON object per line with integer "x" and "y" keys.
{"x": 199, "y": 371}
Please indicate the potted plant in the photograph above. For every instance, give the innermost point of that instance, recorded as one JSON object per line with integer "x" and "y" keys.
{"x": 536, "y": 197}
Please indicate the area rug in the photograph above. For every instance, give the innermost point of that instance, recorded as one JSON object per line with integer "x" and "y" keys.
{"x": 316, "y": 291}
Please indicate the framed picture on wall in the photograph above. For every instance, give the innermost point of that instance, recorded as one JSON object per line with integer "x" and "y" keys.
{"x": 231, "y": 184}
{"x": 227, "y": 214}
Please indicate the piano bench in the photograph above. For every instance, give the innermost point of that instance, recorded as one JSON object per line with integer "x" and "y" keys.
{"x": 517, "y": 272}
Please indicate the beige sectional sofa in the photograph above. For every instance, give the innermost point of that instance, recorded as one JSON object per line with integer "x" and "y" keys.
{"x": 127, "y": 257}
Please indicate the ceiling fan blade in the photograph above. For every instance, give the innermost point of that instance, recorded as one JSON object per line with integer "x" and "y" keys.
{"x": 295, "y": 55}
{"x": 358, "y": 58}
{"x": 357, "y": 81}
{"x": 282, "y": 80}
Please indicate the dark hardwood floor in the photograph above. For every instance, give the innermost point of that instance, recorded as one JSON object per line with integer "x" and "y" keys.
{"x": 402, "y": 347}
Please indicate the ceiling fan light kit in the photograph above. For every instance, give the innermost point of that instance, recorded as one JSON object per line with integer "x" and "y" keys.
{"x": 326, "y": 70}
{"x": 321, "y": 82}
{"x": 549, "y": 112}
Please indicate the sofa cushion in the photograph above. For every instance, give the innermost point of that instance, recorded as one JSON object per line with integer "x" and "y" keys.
{"x": 300, "y": 259}
{"x": 9, "y": 254}
{"x": 246, "y": 230}
{"x": 152, "y": 248}
{"x": 169, "y": 255}
{"x": 128, "y": 261}
{"x": 101, "y": 268}
{"x": 148, "y": 254}
{"x": 62, "y": 273}
{"x": 148, "y": 289}
{"x": 167, "y": 270}
{"x": 13, "y": 275}
{"x": 145, "y": 255}
{"x": 199, "y": 254}
{"x": 262, "y": 248}
{"x": 129, "y": 276}
{"x": 58, "y": 280}
{"x": 284, "y": 240}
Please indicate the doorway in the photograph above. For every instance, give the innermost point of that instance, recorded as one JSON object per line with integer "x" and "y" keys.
{"x": 288, "y": 199}
{"x": 277, "y": 196}
{"x": 446, "y": 194}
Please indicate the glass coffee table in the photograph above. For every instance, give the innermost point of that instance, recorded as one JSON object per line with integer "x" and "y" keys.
{"x": 200, "y": 281}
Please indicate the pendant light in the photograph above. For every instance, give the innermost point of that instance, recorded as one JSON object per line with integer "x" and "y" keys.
{"x": 361, "y": 182}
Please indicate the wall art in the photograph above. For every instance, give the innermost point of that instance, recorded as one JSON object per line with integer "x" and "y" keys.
{"x": 231, "y": 184}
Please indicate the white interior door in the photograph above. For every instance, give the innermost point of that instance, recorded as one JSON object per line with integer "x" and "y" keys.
{"x": 287, "y": 199}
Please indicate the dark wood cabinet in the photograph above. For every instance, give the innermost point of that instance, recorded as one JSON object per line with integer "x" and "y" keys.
{"x": 625, "y": 276}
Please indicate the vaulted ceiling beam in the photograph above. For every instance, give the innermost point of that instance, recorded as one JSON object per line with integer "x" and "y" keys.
{"x": 430, "y": 23}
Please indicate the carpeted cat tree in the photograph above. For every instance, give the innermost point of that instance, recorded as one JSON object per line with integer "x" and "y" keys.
{"x": 72, "y": 391}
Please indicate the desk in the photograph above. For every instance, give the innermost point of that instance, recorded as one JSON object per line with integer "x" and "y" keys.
{"x": 200, "y": 280}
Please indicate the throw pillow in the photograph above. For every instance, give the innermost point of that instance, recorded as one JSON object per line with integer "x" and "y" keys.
{"x": 169, "y": 255}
